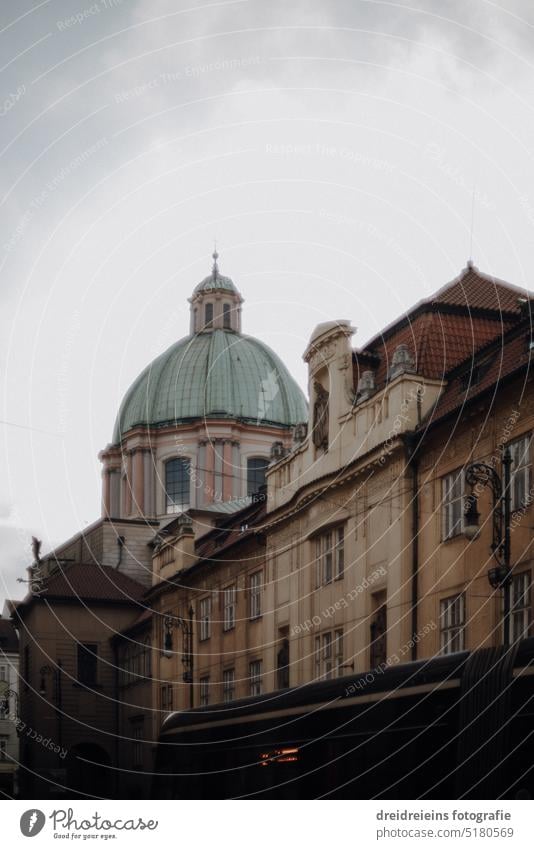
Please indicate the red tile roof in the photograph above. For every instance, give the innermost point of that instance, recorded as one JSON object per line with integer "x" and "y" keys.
{"x": 448, "y": 328}
{"x": 91, "y": 582}
{"x": 501, "y": 361}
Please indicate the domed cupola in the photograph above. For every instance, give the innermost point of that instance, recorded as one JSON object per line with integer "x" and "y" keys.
{"x": 198, "y": 425}
{"x": 215, "y": 303}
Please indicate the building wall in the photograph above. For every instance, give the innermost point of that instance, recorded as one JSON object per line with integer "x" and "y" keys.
{"x": 69, "y": 714}
{"x": 9, "y": 753}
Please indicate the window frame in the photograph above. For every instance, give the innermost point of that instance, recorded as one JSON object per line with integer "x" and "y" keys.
{"x": 452, "y": 508}
{"x": 329, "y": 555}
{"x": 255, "y": 669}
{"x": 228, "y": 683}
{"x": 255, "y": 590}
{"x": 204, "y": 690}
{"x": 209, "y": 308}
{"x": 253, "y": 474}
{"x": 521, "y": 613}
{"x": 229, "y": 607}
{"x": 455, "y": 624}
{"x": 521, "y": 471}
{"x": 172, "y": 507}
{"x": 87, "y": 652}
{"x": 227, "y": 316}
{"x": 204, "y": 632}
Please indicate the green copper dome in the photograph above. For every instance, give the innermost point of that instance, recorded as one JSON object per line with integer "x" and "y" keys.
{"x": 219, "y": 374}
{"x": 213, "y": 283}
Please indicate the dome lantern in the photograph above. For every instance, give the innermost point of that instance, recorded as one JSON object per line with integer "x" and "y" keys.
{"x": 215, "y": 303}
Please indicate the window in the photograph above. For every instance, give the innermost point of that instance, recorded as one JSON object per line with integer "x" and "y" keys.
{"x": 379, "y": 630}
{"x": 453, "y": 624}
{"x": 177, "y": 485}
{"x": 520, "y": 606}
{"x": 229, "y": 599}
{"x": 166, "y": 697}
{"x": 135, "y": 663}
{"x": 137, "y": 743}
{"x": 228, "y": 685}
{"x": 208, "y": 315}
{"x": 205, "y": 618}
{"x": 227, "y": 309}
{"x": 256, "y": 581}
{"x": 329, "y": 654}
{"x": 205, "y": 691}
{"x": 3, "y": 749}
{"x": 330, "y": 556}
{"x": 453, "y": 504}
{"x": 256, "y": 467}
{"x": 255, "y": 670}
{"x": 87, "y": 663}
{"x": 520, "y": 472}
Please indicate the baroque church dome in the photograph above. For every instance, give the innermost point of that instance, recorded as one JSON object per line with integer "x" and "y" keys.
{"x": 214, "y": 373}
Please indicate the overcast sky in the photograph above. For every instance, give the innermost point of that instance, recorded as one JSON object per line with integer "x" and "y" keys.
{"x": 331, "y": 147}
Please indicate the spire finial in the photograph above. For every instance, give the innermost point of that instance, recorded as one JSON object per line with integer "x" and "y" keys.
{"x": 215, "y": 255}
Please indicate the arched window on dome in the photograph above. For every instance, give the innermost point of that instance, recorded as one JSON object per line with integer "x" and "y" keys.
{"x": 177, "y": 485}
{"x": 208, "y": 315}
{"x": 227, "y": 316}
{"x": 256, "y": 467}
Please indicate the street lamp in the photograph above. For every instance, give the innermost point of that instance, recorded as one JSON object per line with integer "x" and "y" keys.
{"x": 186, "y": 626}
{"x": 482, "y": 475}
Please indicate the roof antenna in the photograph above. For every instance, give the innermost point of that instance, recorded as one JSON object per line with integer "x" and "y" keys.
{"x": 470, "y": 262}
{"x": 215, "y": 255}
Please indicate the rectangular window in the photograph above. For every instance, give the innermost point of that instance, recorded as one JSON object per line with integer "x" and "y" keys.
{"x": 166, "y": 697}
{"x": 520, "y": 606}
{"x": 3, "y": 749}
{"x": 255, "y": 678}
{"x": 520, "y": 472}
{"x": 324, "y": 656}
{"x": 208, "y": 315}
{"x": 255, "y": 589}
{"x": 452, "y": 622}
{"x": 229, "y": 602}
{"x": 339, "y": 556}
{"x": 87, "y": 663}
{"x": 177, "y": 484}
{"x": 205, "y": 691}
{"x": 137, "y": 744}
{"x": 228, "y": 685}
{"x": 256, "y": 467}
{"x": 227, "y": 324}
{"x": 338, "y": 651}
{"x": 205, "y": 618}
{"x": 453, "y": 504}
{"x": 330, "y": 556}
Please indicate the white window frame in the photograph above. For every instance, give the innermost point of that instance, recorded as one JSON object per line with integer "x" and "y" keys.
{"x": 453, "y": 504}
{"x": 521, "y": 475}
{"x": 329, "y": 556}
{"x": 256, "y": 677}
{"x": 204, "y": 691}
{"x": 205, "y": 618}
{"x": 520, "y": 605}
{"x": 255, "y": 594}
{"x": 329, "y": 654}
{"x": 229, "y": 607}
{"x": 228, "y": 685}
{"x": 452, "y": 624}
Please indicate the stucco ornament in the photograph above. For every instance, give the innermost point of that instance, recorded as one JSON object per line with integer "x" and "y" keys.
{"x": 320, "y": 417}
